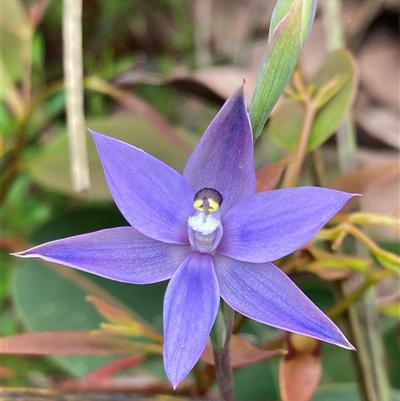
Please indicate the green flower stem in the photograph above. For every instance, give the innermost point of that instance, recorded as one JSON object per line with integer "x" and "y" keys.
{"x": 362, "y": 319}
{"x": 220, "y": 340}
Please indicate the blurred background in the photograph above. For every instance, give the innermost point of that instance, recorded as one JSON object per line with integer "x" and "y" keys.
{"x": 155, "y": 73}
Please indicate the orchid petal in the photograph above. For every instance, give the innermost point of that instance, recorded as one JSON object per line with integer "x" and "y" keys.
{"x": 264, "y": 293}
{"x": 190, "y": 308}
{"x": 272, "y": 224}
{"x": 224, "y": 157}
{"x": 154, "y": 198}
{"x": 121, "y": 254}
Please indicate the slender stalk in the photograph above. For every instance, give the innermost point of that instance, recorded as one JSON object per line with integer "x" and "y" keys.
{"x": 73, "y": 69}
{"x": 294, "y": 169}
{"x": 362, "y": 319}
{"x": 220, "y": 340}
{"x": 317, "y": 168}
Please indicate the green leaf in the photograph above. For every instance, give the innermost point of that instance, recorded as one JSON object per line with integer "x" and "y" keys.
{"x": 335, "y": 87}
{"x": 46, "y": 300}
{"x": 285, "y": 124}
{"x": 51, "y": 167}
{"x": 344, "y": 392}
{"x": 329, "y": 90}
{"x": 277, "y": 67}
{"x": 330, "y": 115}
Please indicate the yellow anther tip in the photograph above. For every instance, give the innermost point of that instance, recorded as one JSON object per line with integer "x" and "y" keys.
{"x": 198, "y": 204}
{"x": 213, "y": 205}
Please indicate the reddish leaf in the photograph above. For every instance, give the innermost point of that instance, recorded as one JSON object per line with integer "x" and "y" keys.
{"x": 110, "y": 369}
{"x": 267, "y": 178}
{"x": 64, "y": 343}
{"x": 243, "y": 353}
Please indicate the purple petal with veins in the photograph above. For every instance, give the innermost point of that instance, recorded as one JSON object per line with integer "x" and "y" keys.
{"x": 272, "y": 224}
{"x": 190, "y": 307}
{"x": 120, "y": 254}
{"x": 264, "y": 293}
{"x": 224, "y": 157}
{"x": 154, "y": 198}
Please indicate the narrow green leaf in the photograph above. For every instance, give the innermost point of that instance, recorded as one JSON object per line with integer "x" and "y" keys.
{"x": 277, "y": 67}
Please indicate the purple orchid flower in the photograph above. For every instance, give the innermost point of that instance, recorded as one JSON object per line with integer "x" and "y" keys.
{"x": 209, "y": 233}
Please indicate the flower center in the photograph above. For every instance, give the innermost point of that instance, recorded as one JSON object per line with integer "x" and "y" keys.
{"x": 204, "y": 227}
